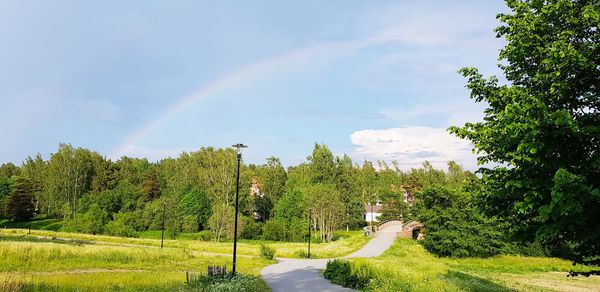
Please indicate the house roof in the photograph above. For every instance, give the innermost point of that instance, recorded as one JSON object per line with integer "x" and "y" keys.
{"x": 376, "y": 208}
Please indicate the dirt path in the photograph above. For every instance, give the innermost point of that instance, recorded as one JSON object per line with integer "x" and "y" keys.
{"x": 305, "y": 275}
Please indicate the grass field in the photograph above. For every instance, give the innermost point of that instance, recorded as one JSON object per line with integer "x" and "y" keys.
{"x": 346, "y": 244}
{"x": 44, "y": 264}
{"x": 61, "y": 261}
{"x": 408, "y": 267}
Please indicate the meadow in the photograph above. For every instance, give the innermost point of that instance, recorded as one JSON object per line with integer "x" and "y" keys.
{"x": 407, "y": 266}
{"x": 62, "y": 261}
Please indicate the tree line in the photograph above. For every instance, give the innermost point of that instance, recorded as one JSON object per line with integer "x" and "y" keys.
{"x": 197, "y": 190}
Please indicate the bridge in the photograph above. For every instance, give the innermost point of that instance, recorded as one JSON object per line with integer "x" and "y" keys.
{"x": 411, "y": 229}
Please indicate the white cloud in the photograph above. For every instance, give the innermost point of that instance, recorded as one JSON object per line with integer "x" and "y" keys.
{"x": 411, "y": 146}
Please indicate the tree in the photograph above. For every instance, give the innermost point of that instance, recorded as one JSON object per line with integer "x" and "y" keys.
{"x": 68, "y": 176}
{"x": 9, "y": 169}
{"x": 327, "y": 209}
{"x": 322, "y": 166}
{"x": 151, "y": 186}
{"x": 542, "y": 129}
{"x": 455, "y": 227}
{"x": 20, "y": 205}
{"x": 221, "y": 221}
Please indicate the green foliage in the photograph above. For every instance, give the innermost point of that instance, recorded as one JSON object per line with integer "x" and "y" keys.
{"x": 195, "y": 204}
{"x": 230, "y": 283}
{"x": 221, "y": 221}
{"x": 151, "y": 186}
{"x": 463, "y": 232}
{"x": 126, "y": 197}
{"x": 92, "y": 221}
{"x": 252, "y": 229}
{"x": 4, "y": 193}
{"x": 123, "y": 224}
{"x": 205, "y": 235}
{"x": 454, "y": 228}
{"x": 348, "y": 274}
{"x": 267, "y": 252}
{"x": 542, "y": 129}
{"x": 19, "y": 205}
{"x": 279, "y": 230}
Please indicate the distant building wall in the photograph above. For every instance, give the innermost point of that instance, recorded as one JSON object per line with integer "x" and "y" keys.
{"x": 375, "y": 217}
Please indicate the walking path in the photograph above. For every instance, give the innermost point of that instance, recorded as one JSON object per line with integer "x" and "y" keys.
{"x": 305, "y": 275}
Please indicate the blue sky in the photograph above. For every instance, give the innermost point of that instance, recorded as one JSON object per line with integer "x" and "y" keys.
{"x": 374, "y": 80}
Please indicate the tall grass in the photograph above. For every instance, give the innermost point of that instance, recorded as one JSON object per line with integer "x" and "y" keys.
{"x": 406, "y": 266}
{"x": 44, "y": 256}
{"x": 45, "y": 265}
{"x": 347, "y": 243}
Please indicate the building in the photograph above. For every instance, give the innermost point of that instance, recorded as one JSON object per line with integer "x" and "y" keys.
{"x": 373, "y": 212}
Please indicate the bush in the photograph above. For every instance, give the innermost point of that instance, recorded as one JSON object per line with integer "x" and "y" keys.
{"x": 124, "y": 224}
{"x": 279, "y": 230}
{"x": 91, "y": 221}
{"x": 463, "y": 233}
{"x": 532, "y": 249}
{"x": 205, "y": 235}
{"x": 303, "y": 253}
{"x": 252, "y": 229}
{"x": 267, "y": 252}
{"x": 274, "y": 230}
{"x": 229, "y": 283}
{"x": 347, "y": 274}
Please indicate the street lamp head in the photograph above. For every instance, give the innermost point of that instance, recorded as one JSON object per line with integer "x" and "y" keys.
{"x": 239, "y": 147}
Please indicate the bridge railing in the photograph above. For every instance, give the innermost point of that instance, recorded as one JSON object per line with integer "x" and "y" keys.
{"x": 388, "y": 223}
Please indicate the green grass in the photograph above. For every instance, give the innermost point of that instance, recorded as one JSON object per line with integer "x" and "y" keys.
{"x": 43, "y": 264}
{"x": 41, "y": 224}
{"x": 406, "y": 266}
{"x": 347, "y": 243}
{"x": 62, "y": 261}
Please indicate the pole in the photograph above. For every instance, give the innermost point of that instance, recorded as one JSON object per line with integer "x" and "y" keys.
{"x": 347, "y": 221}
{"x": 162, "y": 236}
{"x": 237, "y": 194}
{"x": 309, "y": 235}
{"x": 372, "y": 229}
{"x": 29, "y": 227}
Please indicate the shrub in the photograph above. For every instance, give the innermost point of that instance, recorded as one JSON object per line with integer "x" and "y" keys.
{"x": 205, "y": 235}
{"x": 532, "y": 249}
{"x": 274, "y": 230}
{"x": 347, "y": 274}
{"x": 252, "y": 229}
{"x": 229, "y": 283}
{"x": 463, "y": 233}
{"x": 122, "y": 225}
{"x": 91, "y": 221}
{"x": 279, "y": 230}
{"x": 267, "y": 252}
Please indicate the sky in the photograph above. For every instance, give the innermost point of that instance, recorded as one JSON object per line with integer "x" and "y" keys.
{"x": 375, "y": 80}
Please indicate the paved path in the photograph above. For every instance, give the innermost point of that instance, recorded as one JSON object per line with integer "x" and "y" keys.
{"x": 305, "y": 275}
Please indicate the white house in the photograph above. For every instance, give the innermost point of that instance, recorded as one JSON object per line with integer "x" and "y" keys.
{"x": 372, "y": 212}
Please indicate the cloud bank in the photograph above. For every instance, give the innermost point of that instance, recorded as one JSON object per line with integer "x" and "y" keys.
{"x": 411, "y": 146}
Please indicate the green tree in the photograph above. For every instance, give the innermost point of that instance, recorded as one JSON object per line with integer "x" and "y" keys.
{"x": 20, "y": 204}
{"x": 542, "y": 129}
{"x": 221, "y": 221}
{"x": 9, "y": 169}
{"x": 455, "y": 227}
{"x": 321, "y": 164}
{"x": 151, "y": 186}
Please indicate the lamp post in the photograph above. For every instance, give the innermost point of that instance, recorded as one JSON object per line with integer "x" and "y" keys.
{"x": 162, "y": 235}
{"x": 309, "y": 233}
{"x": 372, "y": 228}
{"x": 238, "y": 147}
